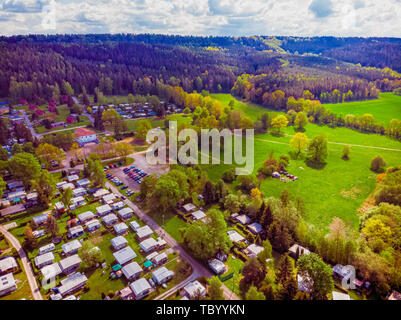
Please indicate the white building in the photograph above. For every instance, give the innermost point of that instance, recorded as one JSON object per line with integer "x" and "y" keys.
{"x": 83, "y": 135}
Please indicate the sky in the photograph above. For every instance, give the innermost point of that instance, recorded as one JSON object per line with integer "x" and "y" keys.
{"x": 365, "y": 18}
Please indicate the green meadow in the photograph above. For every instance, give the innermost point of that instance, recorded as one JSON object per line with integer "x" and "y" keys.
{"x": 337, "y": 189}
{"x": 384, "y": 109}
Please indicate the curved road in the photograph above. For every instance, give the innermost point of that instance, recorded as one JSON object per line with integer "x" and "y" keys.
{"x": 25, "y": 262}
{"x": 198, "y": 269}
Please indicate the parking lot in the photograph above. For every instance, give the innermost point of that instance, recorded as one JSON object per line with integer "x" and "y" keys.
{"x": 140, "y": 164}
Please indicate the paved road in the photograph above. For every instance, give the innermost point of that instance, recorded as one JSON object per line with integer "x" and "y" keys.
{"x": 198, "y": 269}
{"x": 25, "y": 262}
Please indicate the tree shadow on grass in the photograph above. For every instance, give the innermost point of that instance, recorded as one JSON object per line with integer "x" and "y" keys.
{"x": 315, "y": 165}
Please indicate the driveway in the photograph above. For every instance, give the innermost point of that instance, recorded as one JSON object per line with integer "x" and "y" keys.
{"x": 25, "y": 262}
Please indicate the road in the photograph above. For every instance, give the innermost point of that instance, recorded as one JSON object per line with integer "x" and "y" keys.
{"x": 198, "y": 269}
{"x": 25, "y": 262}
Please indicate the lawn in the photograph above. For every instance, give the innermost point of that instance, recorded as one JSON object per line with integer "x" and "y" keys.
{"x": 23, "y": 289}
{"x": 387, "y": 107}
{"x": 339, "y": 188}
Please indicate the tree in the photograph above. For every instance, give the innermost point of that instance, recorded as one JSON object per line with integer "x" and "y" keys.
{"x": 279, "y": 122}
{"x": 148, "y": 184}
{"x": 25, "y": 167}
{"x": 66, "y": 197}
{"x": 317, "y": 152}
{"x": 17, "y": 148}
{"x": 3, "y": 154}
{"x": 95, "y": 171}
{"x": 123, "y": 150}
{"x": 52, "y": 226}
{"x": 215, "y": 291}
{"x": 30, "y": 240}
{"x": 232, "y": 203}
{"x": 110, "y": 117}
{"x": 3, "y": 185}
{"x": 90, "y": 255}
{"x": 45, "y": 186}
{"x": 377, "y": 164}
{"x": 301, "y": 120}
{"x": 254, "y": 294}
{"x": 346, "y": 152}
{"x": 253, "y": 274}
{"x": 317, "y": 275}
{"x": 266, "y": 253}
{"x": 48, "y": 152}
{"x": 299, "y": 142}
{"x": 143, "y": 128}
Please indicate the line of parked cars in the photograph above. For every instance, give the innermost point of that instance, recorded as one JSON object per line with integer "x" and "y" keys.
{"x": 135, "y": 174}
{"x": 279, "y": 174}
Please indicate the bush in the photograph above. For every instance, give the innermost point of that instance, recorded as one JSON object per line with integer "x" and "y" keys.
{"x": 229, "y": 176}
{"x": 377, "y": 164}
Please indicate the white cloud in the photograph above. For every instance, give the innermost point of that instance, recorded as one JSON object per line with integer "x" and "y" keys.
{"x": 208, "y": 17}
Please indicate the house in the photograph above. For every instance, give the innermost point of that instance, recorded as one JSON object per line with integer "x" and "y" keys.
{"x": 119, "y": 242}
{"x": 8, "y": 265}
{"x": 77, "y": 202}
{"x": 100, "y": 193}
{"x": 217, "y": 266}
{"x": 93, "y": 225}
{"x": 160, "y": 259}
{"x": 59, "y": 206}
{"x": 140, "y": 288}
{"x": 47, "y": 248}
{"x": 189, "y": 207}
{"x": 395, "y": 295}
{"x": 109, "y": 198}
{"x": 78, "y": 192}
{"x": 253, "y": 250}
{"x": 72, "y": 178}
{"x": 60, "y": 184}
{"x": 71, "y": 247}
{"x": 44, "y": 260}
{"x": 303, "y": 285}
{"x": 110, "y": 219}
{"x": 39, "y": 233}
{"x": 83, "y": 183}
{"x": 125, "y": 213}
{"x": 68, "y": 186}
{"x": 86, "y": 216}
{"x": 83, "y": 135}
{"x": 343, "y": 273}
{"x": 103, "y": 210}
{"x": 39, "y": 220}
{"x": 193, "y": 289}
{"x": 72, "y": 284}
{"x": 120, "y": 228}
{"x": 16, "y": 196}
{"x": 161, "y": 243}
{"x": 124, "y": 256}
{"x": 7, "y": 284}
{"x": 12, "y": 210}
{"x": 243, "y": 219}
{"x": 162, "y": 275}
{"x": 235, "y": 236}
{"x": 132, "y": 271}
{"x": 14, "y": 185}
{"x": 126, "y": 294}
{"x": 198, "y": 215}
{"x": 70, "y": 264}
{"x": 118, "y": 205}
{"x": 51, "y": 271}
{"x": 71, "y": 297}
{"x": 296, "y": 251}
{"x": 134, "y": 225}
{"x": 149, "y": 257}
{"x": 148, "y": 245}
{"x": 255, "y": 228}
{"x": 144, "y": 232}
{"x": 32, "y": 198}
{"x": 340, "y": 296}
{"x": 75, "y": 232}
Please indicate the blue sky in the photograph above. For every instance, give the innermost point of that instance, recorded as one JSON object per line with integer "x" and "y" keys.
{"x": 204, "y": 17}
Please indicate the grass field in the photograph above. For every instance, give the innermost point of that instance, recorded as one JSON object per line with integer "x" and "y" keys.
{"x": 338, "y": 189}
{"x": 384, "y": 109}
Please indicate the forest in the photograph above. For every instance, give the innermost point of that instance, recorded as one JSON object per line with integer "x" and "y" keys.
{"x": 34, "y": 67}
